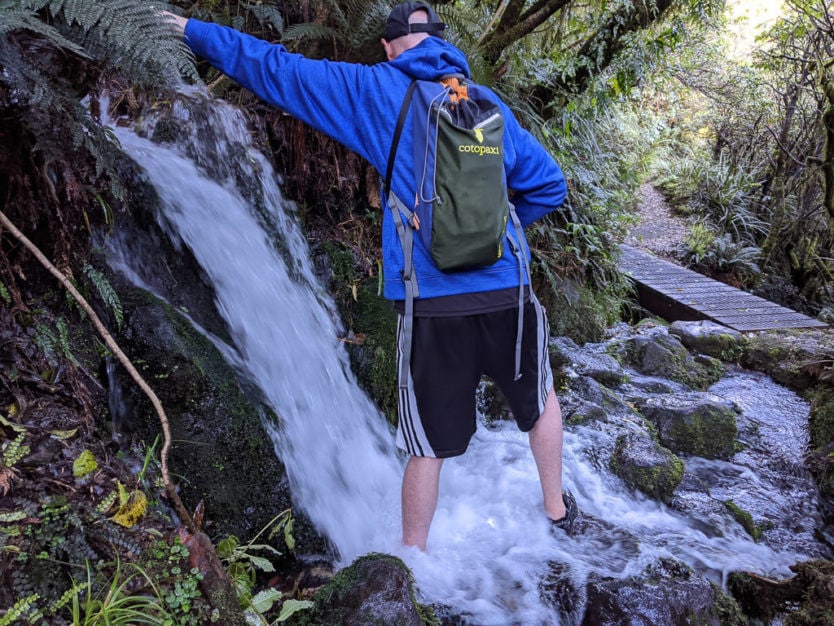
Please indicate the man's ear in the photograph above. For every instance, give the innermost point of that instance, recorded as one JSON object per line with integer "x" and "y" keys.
{"x": 388, "y": 48}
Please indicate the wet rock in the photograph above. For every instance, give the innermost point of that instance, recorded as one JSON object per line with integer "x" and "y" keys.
{"x": 601, "y": 367}
{"x": 665, "y": 356}
{"x": 795, "y": 359}
{"x": 492, "y": 403}
{"x": 646, "y": 466}
{"x": 221, "y": 453}
{"x": 374, "y": 589}
{"x": 697, "y": 423}
{"x": 559, "y": 590}
{"x": 578, "y": 411}
{"x": 666, "y": 594}
{"x": 805, "y": 598}
{"x": 708, "y": 338}
{"x": 653, "y": 385}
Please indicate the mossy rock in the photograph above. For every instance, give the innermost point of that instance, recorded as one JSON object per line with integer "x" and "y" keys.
{"x": 794, "y": 358}
{"x": 665, "y": 356}
{"x": 821, "y": 428}
{"x": 583, "y": 316}
{"x": 646, "y": 466}
{"x": 376, "y": 589}
{"x": 697, "y": 423}
{"x": 373, "y": 356}
{"x": 221, "y": 454}
{"x": 803, "y": 600}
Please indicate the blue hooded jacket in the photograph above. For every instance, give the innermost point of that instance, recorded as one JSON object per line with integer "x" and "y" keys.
{"x": 357, "y": 105}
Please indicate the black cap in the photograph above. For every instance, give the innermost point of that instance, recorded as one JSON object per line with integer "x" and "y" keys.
{"x": 397, "y": 24}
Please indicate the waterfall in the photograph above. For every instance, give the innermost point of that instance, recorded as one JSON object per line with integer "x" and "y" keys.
{"x": 490, "y": 544}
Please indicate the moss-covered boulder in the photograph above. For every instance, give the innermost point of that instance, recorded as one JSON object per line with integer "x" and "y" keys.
{"x": 577, "y": 312}
{"x": 646, "y": 466}
{"x": 821, "y": 456}
{"x": 794, "y": 358}
{"x": 706, "y": 337}
{"x": 802, "y": 600}
{"x": 221, "y": 452}
{"x": 695, "y": 423}
{"x": 376, "y": 589}
{"x": 373, "y": 350}
{"x": 665, "y": 356}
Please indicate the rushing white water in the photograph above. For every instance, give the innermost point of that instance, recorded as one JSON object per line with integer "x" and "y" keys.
{"x": 490, "y": 544}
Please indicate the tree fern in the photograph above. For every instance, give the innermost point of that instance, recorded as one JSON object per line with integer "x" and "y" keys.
{"x": 127, "y": 36}
{"x": 55, "y": 55}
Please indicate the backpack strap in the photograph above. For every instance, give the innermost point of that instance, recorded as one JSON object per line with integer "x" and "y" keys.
{"x": 405, "y": 231}
{"x": 519, "y": 249}
{"x": 398, "y": 130}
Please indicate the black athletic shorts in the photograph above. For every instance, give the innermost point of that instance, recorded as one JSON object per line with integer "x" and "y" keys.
{"x": 448, "y": 357}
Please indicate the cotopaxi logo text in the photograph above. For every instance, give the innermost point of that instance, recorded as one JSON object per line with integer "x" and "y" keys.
{"x": 479, "y": 150}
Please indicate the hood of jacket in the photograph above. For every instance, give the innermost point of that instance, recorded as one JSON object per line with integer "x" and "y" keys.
{"x": 432, "y": 59}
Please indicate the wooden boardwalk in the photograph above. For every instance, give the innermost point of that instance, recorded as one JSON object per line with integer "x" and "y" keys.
{"x": 676, "y": 293}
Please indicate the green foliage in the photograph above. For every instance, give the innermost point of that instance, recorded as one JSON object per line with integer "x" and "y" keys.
{"x": 578, "y": 244}
{"x": 84, "y": 465}
{"x": 14, "y": 450}
{"x": 55, "y": 55}
{"x": 728, "y": 196}
{"x": 55, "y": 345}
{"x": 177, "y": 588}
{"x": 23, "y": 609}
{"x": 106, "y": 292}
{"x": 242, "y": 565}
{"x": 745, "y": 519}
{"x": 698, "y": 241}
{"x": 117, "y": 602}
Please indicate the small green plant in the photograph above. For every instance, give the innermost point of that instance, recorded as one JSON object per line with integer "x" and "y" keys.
{"x": 745, "y": 519}
{"x": 130, "y": 596}
{"x": 14, "y": 450}
{"x": 723, "y": 256}
{"x": 23, "y": 609}
{"x": 698, "y": 241}
{"x": 242, "y": 566}
{"x": 179, "y": 587}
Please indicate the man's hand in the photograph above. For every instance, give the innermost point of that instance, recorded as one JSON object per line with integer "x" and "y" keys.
{"x": 176, "y": 22}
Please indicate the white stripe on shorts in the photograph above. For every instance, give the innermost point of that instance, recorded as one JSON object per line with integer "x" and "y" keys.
{"x": 410, "y": 434}
{"x": 543, "y": 350}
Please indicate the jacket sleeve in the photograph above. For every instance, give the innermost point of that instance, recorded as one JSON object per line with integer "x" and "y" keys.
{"x": 326, "y": 95}
{"x": 536, "y": 180}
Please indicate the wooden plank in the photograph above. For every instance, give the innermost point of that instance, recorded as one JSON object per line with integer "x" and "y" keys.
{"x": 677, "y": 293}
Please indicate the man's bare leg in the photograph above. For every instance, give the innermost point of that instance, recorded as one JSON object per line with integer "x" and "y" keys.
{"x": 419, "y": 498}
{"x": 546, "y": 445}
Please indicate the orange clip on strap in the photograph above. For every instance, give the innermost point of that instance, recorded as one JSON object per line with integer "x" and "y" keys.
{"x": 458, "y": 91}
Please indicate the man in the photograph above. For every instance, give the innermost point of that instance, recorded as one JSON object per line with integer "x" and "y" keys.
{"x": 465, "y": 321}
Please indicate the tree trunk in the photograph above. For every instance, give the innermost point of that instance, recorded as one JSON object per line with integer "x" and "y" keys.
{"x": 600, "y": 48}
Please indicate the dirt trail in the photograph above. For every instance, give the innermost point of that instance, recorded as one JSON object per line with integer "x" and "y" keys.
{"x": 658, "y": 230}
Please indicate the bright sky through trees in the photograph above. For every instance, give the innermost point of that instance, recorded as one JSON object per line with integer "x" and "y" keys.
{"x": 746, "y": 19}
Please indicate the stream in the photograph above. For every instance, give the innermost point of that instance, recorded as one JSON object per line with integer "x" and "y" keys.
{"x": 490, "y": 545}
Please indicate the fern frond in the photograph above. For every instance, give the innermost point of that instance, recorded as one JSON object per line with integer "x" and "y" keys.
{"x": 106, "y": 292}
{"x": 267, "y": 16}
{"x": 19, "y": 19}
{"x": 299, "y": 32}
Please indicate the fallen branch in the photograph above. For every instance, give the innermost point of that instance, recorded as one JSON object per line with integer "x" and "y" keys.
{"x": 114, "y": 348}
